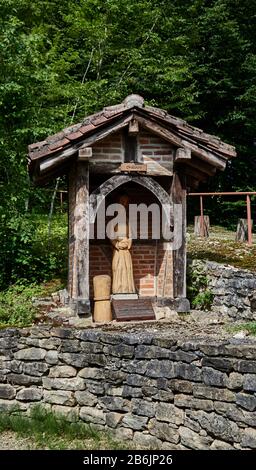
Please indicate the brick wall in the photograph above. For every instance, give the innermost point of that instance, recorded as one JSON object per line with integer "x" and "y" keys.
{"x": 152, "y": 147}
{"x": 151, "y": 264}
{"x": 109, "y": 149}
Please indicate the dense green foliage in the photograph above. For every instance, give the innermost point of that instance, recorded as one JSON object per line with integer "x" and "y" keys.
{"x": 63, "y": 60}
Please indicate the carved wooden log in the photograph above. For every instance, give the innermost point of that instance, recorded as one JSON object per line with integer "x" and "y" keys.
{"x": 102, "y": 305}
{"x": 242, "y": 230}
{"x": 178, "y": 196}
{"x": 79, "y": 236}
{"x": 202, "y": 229}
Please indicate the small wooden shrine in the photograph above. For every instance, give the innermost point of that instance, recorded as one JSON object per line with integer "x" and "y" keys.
{"x": 152, "y": 157}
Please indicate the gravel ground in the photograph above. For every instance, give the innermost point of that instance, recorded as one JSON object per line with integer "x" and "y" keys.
{"x": 10, "y": 441}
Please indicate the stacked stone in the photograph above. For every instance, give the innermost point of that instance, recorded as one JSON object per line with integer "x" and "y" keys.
{"x": 233, "y": 289}
{"x": 158, "y": 390}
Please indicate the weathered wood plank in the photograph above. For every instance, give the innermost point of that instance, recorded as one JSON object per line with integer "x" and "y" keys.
{"x": 79, "y": 236}
{"x": 178, "y": 196}
{"x": 182, "y": 155}
{"x": 242, "y": 230}
{"x": 202, "y": 228}
{"x": 128, "y": 310}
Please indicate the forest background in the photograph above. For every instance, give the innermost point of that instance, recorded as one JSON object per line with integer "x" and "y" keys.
{"x": 62, "y": 60}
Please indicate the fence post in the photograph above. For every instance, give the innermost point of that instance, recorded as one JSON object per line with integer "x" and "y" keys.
{"x": 201, "y": 217}
{"x": 249, "y": 219}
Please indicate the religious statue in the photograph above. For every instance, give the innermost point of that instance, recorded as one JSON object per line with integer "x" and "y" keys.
{"x": 122, "y": 272}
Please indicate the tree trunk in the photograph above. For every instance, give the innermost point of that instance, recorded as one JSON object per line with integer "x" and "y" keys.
{"x": 202, "y": 229}
{"x": 242, "y": 230}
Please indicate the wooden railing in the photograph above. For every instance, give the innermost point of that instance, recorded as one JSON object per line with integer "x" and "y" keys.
{"x": 248, "y": 195}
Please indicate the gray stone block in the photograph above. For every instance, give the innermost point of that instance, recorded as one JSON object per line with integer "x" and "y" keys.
{"x": 119, "y": 350}
{"x": 35, "y": 368}
{"x": 249, "y": 438}
{"x": 91, "y": 348}
{"x": 134, "y": 366}
{"x": 250, "y": 383}
{"x": 156, "y": 368}
{"x": 235, "y": 381}
{"x": 85, "y": 398}
{"x": 164, "y": 342}
{"x": 169, "y": 413}
{"x": 59, "y": 397}
{"x": 74, "y": 359}
{"x": 116, "y": 376}
{"x": 186, "y": 401}
{"x": 137, "y": 423}
{"x": 114, "y": 419}
{"x": 69, "y": 413}
{"x": 246, "y": 367}
{"x": 97, "y": 388}
{"x": 49, "y": 343}
{"x": 52, "y": 357}
{"x": 163, "y": 431}
{"x": 113, "y": 391}
{"x": 187, "y": 371}
{"x": 21, "y": 379}
{"x": 122, "y": 434}
{"x": 92, "y": 415}
{"x": 182, "y": 386}
{"x": 92, "y": 373}
{"x": 219, "y": 426}
{"x": 142, "y": 407}
{"x": 150, "y": 352}
{"x": 30, "y": 394}
{"x": 193, "y": 440}
{"x": 146, "y": 441}
{"x": 246, "y": 401}
{"x": 115, "y": 403}
{"x": 30, "y": 354}
{"x": 221, "y": 445}
{"x": 7, "y": 391}
{"x": 70, "y": 345}
{"x": 131, "y": 391}
{"x": 62, "y": 372}
{"x": 213, "y": 377}
{"x": 72, "y": 384}
{"x": 219, "y": 363}
{"x": 213, "y": 393}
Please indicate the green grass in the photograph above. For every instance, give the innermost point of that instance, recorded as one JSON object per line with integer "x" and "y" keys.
{"x": 16, "y": 307}
{"x": 53, "y": 431}
{"x": 250, "y": 327}
{"x": 221, "y": 247}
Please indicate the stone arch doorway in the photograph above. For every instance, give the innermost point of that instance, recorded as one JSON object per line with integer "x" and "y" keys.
{"x": 152, "y": 264}
{"x": 116, "y": 181}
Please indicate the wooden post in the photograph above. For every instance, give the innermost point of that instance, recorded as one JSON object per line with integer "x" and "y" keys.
{"x": 198, "y": 225}
{"x": 79, "y": 237}
{"x": 249, "y": 219}
{"x": 61, "y": 201}
{"x": 201, "y": 217}
{"x": 178, "y": 196}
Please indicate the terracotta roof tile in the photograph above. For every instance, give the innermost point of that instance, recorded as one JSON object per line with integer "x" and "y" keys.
{"x": 87, "y": 128}
{"x": 59, "y": 144}
{"x": 54, "y": 138}
{"x": 36, "y": 145}
{"x": 131, "y": 104}
{"x": 99, "y": 119}
{"x": 74, "y": 135}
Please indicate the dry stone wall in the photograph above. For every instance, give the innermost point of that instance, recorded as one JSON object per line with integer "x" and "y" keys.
{"x": 233, "y": 289}
{"x": 154, "y": 388}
